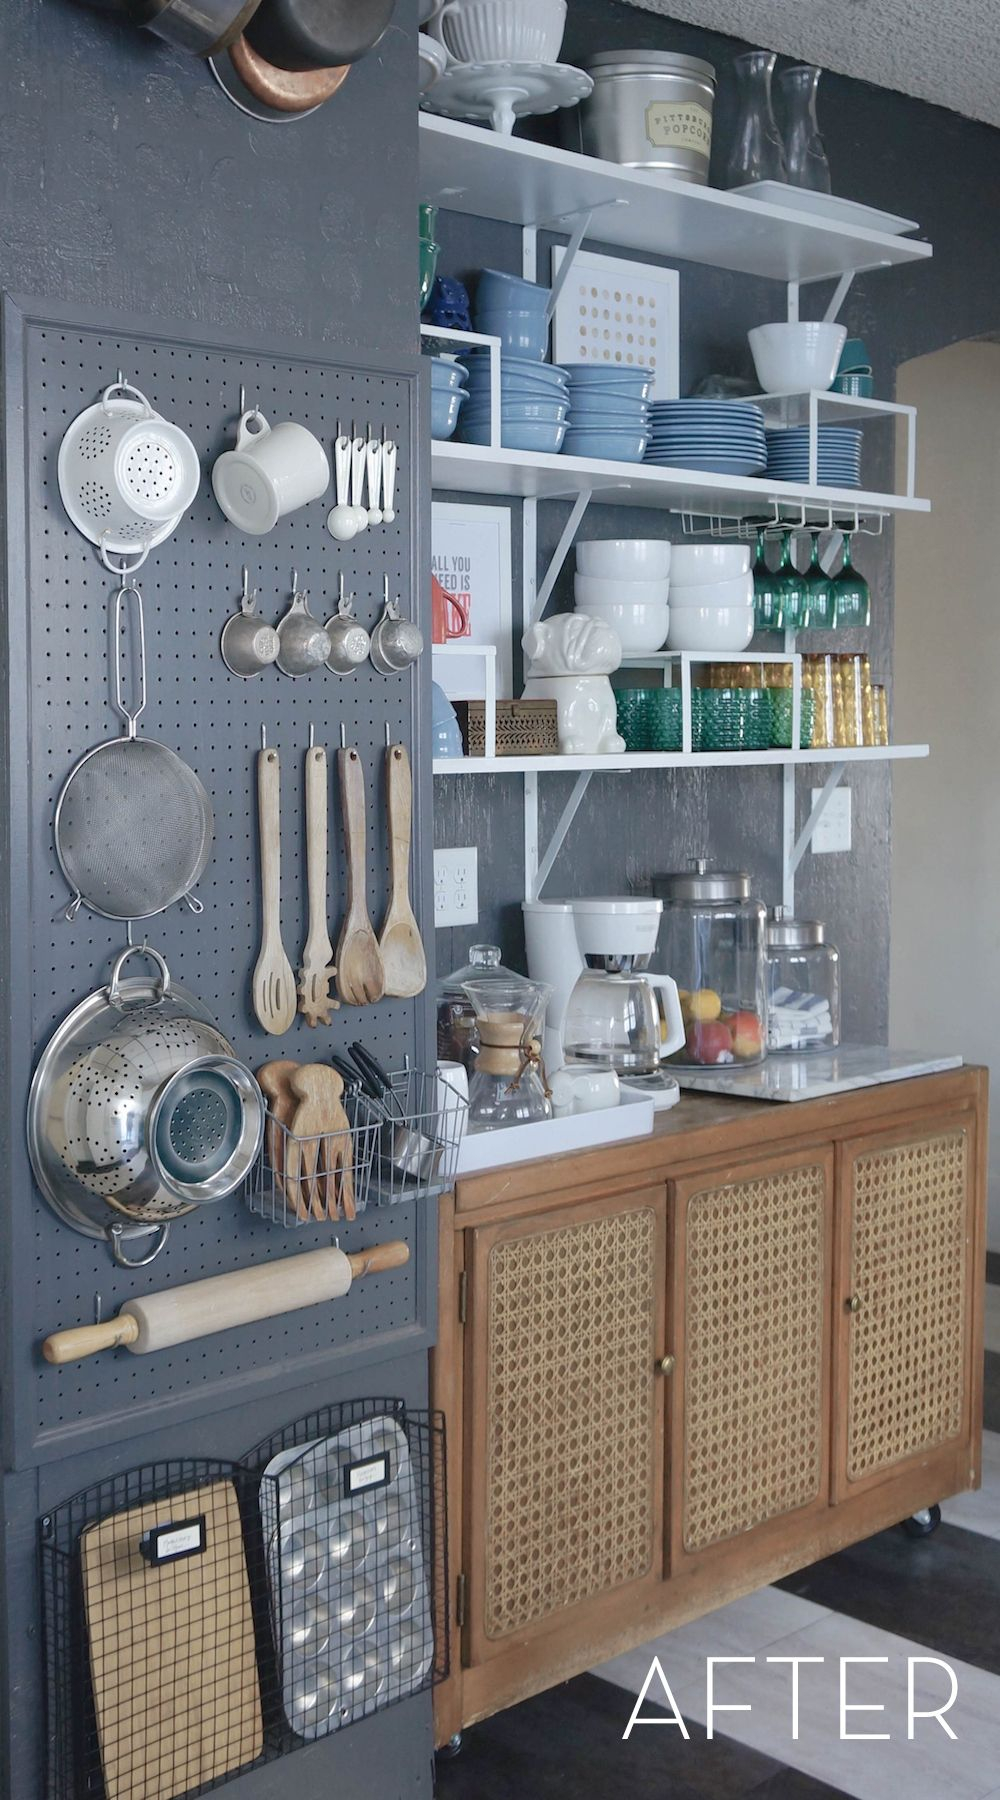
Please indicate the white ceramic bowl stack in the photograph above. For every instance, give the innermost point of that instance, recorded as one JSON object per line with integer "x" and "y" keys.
{"x": 796, "y": 355}
{"x": 626, "y": 582}
{"x": 711, "y": 598}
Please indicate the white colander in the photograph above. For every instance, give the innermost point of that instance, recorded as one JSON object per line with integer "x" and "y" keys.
{"x": 126, "y": 476}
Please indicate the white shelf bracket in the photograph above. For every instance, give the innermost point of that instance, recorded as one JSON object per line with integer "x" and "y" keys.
{"x": 536, "y": 876}
{"x": 577, "y": 235}
{"x": 796, "y": 847}
{"x": 838, "y": 297}
{"x": 793, "y": 303}
{"x": 559, "y": 555}
{"x": 530, "y": 835}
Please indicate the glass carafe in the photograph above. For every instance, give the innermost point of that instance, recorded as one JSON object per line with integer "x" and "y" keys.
{"x": 509, "y": 1086}
{"x": 613, "y": 1019}
{"x": 757, "y": 153}
{"x": 805, "y": 156}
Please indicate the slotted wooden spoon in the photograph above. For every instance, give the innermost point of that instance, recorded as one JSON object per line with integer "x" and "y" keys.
{"x": 274, "y": 996}
{"x": 400, "y": 944}
{"x": 360, "y": 975}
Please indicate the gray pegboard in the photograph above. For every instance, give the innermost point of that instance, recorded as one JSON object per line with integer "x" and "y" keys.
{"x": 190, "y": 585}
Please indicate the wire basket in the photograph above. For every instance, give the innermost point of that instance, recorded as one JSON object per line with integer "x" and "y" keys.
{"x": 353, "y": 1529}
{"x": 313, "y": 1180}
{"x": 422, "y": 1122}
{"x": 193, "y": 1629}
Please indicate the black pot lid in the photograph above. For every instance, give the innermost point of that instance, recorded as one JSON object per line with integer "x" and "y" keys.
{"x": 317, "y": 34}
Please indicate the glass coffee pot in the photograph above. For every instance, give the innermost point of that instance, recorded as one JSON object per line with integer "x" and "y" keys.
{"x": 614, "y": 1016}
{"x": 509, "y": 1085}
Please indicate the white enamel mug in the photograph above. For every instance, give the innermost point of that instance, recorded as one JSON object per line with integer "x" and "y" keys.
{"x": 452, "y": 1099}
{"x": 273, "y": 470}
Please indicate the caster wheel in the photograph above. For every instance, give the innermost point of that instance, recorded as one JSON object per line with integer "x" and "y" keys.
{"x": 451, "y": 1749}
{"x": 922, "y": 1523}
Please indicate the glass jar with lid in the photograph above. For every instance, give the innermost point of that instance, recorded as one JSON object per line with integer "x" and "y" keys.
{"x": 457, "y": 1032}
{"x": 803, "y": 986}
{"x": 712, "y": 943}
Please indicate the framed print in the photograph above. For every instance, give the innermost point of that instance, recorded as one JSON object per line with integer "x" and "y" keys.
{"x": 472, "y": 600}
{"x": 612, "y": 311}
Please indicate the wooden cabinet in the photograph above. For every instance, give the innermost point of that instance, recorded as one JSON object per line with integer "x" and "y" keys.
{"x": 681, "y": 1368}
{"x": 751, "y": 1314}
{"x": 905, "y": 1279}
{"x": 563, "y": 1428}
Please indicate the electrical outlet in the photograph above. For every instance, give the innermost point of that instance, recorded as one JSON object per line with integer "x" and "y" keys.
{"x": 833, "y": 833}
{"x": 456, "y": 887}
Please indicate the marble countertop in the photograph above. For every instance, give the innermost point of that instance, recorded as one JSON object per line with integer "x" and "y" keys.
{"x": 813, "y": 1077}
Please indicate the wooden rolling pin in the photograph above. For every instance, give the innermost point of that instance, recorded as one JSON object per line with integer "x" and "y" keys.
{"x": 200, "y": 1308}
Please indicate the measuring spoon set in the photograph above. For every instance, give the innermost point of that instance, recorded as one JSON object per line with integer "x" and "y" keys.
{"x": 366, "y": 967}
{"x": 299, "y": 644}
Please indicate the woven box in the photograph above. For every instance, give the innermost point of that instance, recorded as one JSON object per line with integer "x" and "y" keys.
{"x": 524, "y": 728}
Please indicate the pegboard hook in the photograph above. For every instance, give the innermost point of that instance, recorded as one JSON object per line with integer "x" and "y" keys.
{"x": 388, "y": 740}
{"x": 343, "y": 736}
{"x": 263, "y": 737}
{"x": 243, "y": 399}
{"x": 312, "y": 734}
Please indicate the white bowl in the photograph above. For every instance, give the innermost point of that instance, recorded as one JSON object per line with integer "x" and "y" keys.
{"x": 603, "y": 590}
{"x": 710, "y": 628}
{"x": 477, "y": 31}
{"x": 640, "y": 625}
{"x": 687, "y": 595}
{"x": 631, "y": 559}
{"x": 694, "y": 563}
{"x": 790, "y": 358}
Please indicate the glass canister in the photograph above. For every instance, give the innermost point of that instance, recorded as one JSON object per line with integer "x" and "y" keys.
{"x": 712, "y": 943}
{"x": 457, "y": 1033}
{"x": 803, "y": 986}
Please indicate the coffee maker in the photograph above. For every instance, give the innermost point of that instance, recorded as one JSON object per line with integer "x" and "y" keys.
{"x": 605, "y": 1005}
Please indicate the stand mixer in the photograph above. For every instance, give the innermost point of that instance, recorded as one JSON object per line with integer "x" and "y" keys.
{"x": 604, "y": 1006}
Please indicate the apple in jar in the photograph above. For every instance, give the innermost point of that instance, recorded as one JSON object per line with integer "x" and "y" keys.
{"x": 708, "y": 1041}
{"x": 747, "y": 1035}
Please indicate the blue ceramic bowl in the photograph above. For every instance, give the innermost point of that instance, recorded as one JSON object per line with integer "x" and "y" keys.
{"x": 617, "y": 415}
{"x": 606, "y": 446}
{"x": 512, "y": 364}
{"x": 445, "y": 408}
{"x": 529, "y": 434}
{"x": 447, "y": 374}
{"x": 524, "y": 333}
{"x": 516, "y": 388}
{"x": 587, "y": 371}
{"x": 552, "y": 410}
{"x": 496, "y": 291}
{"x": 446, "y": 734}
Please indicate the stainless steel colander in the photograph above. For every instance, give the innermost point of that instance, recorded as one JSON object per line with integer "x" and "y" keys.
{"x": 133, "y": 824}
{"x": 139, "y": 1111}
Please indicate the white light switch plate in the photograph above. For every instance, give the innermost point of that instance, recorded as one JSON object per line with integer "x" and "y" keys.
{"x": 833, "y": 833}
{"x": 456, "y": 887}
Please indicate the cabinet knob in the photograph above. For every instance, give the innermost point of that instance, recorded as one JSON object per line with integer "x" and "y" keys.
{"x": 853, "y": 1305}
{"x": 666, "y": 1365}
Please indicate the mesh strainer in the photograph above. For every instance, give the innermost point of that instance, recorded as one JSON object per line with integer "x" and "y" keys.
{"x": 126, "y": 475}
{"x": 133, "y": 824}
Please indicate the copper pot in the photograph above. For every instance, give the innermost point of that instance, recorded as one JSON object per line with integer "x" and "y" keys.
{"x": 287, "y": 90}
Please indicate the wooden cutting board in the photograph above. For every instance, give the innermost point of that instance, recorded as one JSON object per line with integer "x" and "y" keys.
{"x": 172, "y": 1655}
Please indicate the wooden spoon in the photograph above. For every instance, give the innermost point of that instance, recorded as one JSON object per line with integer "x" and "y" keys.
{"x": 400, "y": 943}
{"x": 273, "y": 977}
{"x": 317, "y": 971}
{"x": 318, "y": 1090}
{"x": 274, "y": 1081}
{"x": 360, "y": 975}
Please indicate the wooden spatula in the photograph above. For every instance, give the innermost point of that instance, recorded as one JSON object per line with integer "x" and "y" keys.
{"x": 360, "y": 975}
{"x": 275, "y": 1079}
{"x": 317, "y": 971}
{"x": 400, "y": 944}
{"x": 273, "y": 978}
{"x": 318, "y": 1091}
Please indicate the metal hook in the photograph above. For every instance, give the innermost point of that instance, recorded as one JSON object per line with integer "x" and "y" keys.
{"x": 295, "y": 582}
{"x": 98, "y": 1308}
{"x": 243, "y": 399}
{"x": 343, "y": 737}
{"x": 263, "y": 737}
{"x": 388, "y": 740}
{"x": 312, "y": 734}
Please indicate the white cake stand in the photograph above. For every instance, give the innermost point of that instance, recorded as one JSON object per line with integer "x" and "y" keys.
{"x": 504, "y": 91}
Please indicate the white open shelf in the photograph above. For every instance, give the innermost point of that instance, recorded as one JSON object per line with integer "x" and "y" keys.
{"x": 674, "y": 759}
{"x": 465, "y": 168}
{"x": 529, "y": 475}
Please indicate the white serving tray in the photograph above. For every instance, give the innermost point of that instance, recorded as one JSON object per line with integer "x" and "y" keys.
{"x": 831, "y": 208}
{"x": 481, "y": 1150}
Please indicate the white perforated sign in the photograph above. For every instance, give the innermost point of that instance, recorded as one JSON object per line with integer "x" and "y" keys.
{"x": 622, "y": 313}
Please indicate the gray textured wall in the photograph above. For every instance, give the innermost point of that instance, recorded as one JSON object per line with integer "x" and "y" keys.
{"x": 900, "y": 154}
{"x": 132, "y": 188}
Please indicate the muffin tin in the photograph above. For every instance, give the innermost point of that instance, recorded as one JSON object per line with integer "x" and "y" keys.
{"x": 346, "y": 1574}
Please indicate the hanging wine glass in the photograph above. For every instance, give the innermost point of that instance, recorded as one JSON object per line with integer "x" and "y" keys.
{"x": 768, "y": 591}
{"x": 795, "y": 589}
{"x": 852, "y": 595}
{"x": 806, "y": 164}
{"x": 757, "y": 153}
{"x": 822, "y": 593}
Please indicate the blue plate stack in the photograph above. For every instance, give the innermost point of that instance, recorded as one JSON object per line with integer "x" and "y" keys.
{"x": 608, "y": 411}
{"x": 448, "y": 394}
{"x": 838, "y": 460}
{"x": 724, "y": 437}
{"x": 534, "y": 403}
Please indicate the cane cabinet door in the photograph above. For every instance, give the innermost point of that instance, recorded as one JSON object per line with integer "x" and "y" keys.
{"x": 563, "y": 1419}
{"x": 751, "y": 1338}
{"x": 904, "y": 1300}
